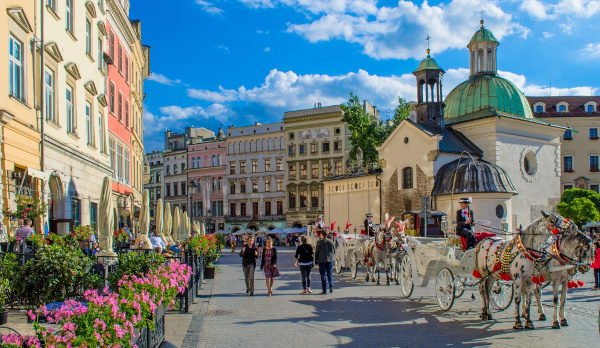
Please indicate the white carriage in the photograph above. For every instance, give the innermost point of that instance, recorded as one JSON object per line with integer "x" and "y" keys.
{"x": 444, "y": 259}
{"x": 349, "y": 251}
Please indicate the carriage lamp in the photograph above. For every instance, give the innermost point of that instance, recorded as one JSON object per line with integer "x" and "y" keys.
{"x": 504, "y": 225}
{"x": 444, "y": 225}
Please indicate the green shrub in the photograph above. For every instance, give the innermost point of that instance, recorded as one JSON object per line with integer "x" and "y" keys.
{"x": 134, "y": 264}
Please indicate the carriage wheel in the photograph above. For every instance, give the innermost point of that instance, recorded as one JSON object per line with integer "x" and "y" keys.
{"x": 444, "y": 289}
{"x": 501, "y": 295}
{"x": 338, "y": 264}
{"x": 406, "y": 280}
{"x": 354, "y": 266}
{"x": 458, "y": 287}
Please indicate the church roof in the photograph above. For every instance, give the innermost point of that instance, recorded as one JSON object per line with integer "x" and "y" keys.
{"x": 468, "y": 175}
{"x": 428, "y": 64}
{"x": 485, "y": 113}
{"x": 453, "y": 141}
{"x": 482, "y": 92}
{"x": 482, "y": 34}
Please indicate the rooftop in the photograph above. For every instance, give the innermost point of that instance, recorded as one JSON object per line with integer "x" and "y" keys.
{"x": 314, "y": 111}
{"x": 575, "y": 106}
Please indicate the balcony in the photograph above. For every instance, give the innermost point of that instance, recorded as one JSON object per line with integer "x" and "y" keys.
{"x": 236, "y": 218}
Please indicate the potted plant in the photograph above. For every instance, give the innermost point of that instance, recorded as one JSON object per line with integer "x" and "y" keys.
{"x": 3, "y": 309}
{"x": 13, "y": 242}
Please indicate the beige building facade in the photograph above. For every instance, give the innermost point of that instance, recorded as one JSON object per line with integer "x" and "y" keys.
{"x": 580, "y": 144}
{"x": 19, "y": 129}
{"x": 316, "y": 141}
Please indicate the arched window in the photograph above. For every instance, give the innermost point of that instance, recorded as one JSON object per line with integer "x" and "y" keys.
{"x": 281, "y": 143}
{"x": 213, "y": 183}
{"x": 407, "y": 178}
{"x": 245, "y": 146}
{"x": 193, "y": 162}
{"x": 219, "y": 160}
{"x": 232, "y": 188}
{"x": 213, "y": 160}
{"x": 490, "y": 60}
{"x": 480, "y": 60}
{"x": 219, "y": 183}
{"x": 270, "y": 144}
{"x": 264, "y": 145}
{"x": 251, "y": 146}
{"x": 199, "y": 162}
{"x": 539, "y": 109}
{"x": 562, "y": 108}
{"x": 276, "y": 142}
{"x": 229, "y": 149}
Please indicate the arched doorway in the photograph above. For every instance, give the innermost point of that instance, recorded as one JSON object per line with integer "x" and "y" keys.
{"x": 297, "y": 224}
{"x": 55, "y": 199}
{"x": 235, "y": 229}
{"x": 252, "y": 226}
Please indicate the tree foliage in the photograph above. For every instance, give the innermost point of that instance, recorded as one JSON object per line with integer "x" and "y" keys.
{"x": 580, "y": 210}
{"x": 367, "y": 131}
{"x": 569, "y": 195}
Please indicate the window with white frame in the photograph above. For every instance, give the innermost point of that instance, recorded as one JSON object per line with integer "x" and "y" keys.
{"x": 113, "y": 158}
{"x": 126, "y": 166}
{"x": 89, "y": 125}
{"x": 69, "y": 15}
{"x": 88, "y": 38}
{"x": 70, "y": 109}
{"x": 120, "y": 107}
{"x": 111, "y": 97}
{"x": 594, "y": 187}
{"x": 126, "y": 113}
{"x": 590, "y": 108}
{"x": 49, "y": 95}
{"x": 568, "y": 163}
{"x": 567, "y": 187}
{"x": 120, "y": 176}
{"x": 100, "y": 52}
{"x": 101, "y": 132}
{"x": 16, "y": 69}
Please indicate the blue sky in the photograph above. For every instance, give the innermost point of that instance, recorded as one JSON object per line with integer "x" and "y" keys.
{"x": 234, "y": 62}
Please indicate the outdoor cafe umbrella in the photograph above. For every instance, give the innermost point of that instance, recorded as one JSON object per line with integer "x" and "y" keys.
{"x": 196, "y": 228}
{"x": 276, "y": 231}
{"x": 168, "y": 223}
{"x": 159, "y": 221}
{"x": 263, "y": 230}
{"x": 221, "y": 232}
{"x": 106, "y": 221}
{"x": 186, "y": 227}
{"x": 289, "y": 230}
{"x": 202, "y": 230}
{"x": 176, "y": 223}
{"x": 142, "y": 241}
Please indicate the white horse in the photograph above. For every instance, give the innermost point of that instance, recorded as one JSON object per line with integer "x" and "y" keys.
{"x": 566, "y": 254}
{"x": 376, "y": 253}
{"x": 511, "y": 260}
{"x": 397, "y": 252}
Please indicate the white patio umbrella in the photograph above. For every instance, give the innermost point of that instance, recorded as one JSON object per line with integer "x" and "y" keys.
{"x": 186, "y": 227}
{"x": 168, "y": 223}
{"x": 106, "y": 220}
{"x": 276, "y": 231}
{"x": 202, "y": 230}
{"x": 143, "y": 241}
{"x": 159, "y": 221}
{"x": 176, "y": 223}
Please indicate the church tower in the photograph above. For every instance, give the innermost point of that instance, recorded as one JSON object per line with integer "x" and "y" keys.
{"x": 430, "y": 105}
{"x": 482, "y": 52}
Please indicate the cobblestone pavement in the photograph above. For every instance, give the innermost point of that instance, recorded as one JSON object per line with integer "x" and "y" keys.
{"x": 359, "y": 314}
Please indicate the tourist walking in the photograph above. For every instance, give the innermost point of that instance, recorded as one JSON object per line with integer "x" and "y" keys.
{"x": 304, "y": 258}
{"x": 269, "y": 264}
{"x": 324, "y": 256}
{"x": 232, "y": 241}
{"x": 596, "y": 265}
{"x": 249, "y": 254}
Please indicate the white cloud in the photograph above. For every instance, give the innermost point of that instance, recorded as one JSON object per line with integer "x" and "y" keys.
{"x": 399, "y": 31}
{"x": 591, "y": 50}
{"x": 162, "y": 79}
{"x": 209, "y": 8}
{"x": 223, "y": 95}
{"x": 547, "y": 35}
{"x": 262, "y": 31}
{"x": 224, "y": 48}
{"x": 546, "y": 11}
{"x": 535, "y": 90}
{"x": 267, "y": 49}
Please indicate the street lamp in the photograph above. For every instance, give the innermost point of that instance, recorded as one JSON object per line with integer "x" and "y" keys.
{"x": 208, "y": 220}
{"x": 192, "y": 187}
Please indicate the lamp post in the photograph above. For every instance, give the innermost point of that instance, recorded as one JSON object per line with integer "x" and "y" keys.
{"x": 192, "y": 187}
{"x": 208, "y": 221}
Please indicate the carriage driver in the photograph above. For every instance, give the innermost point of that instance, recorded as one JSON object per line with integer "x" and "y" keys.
{"x": 465, "y": 222}
{"x": 369, "y": 225}
{"x": 320, "y": 225}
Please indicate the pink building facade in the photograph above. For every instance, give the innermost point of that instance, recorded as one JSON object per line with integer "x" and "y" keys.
{"x": 206, "y": 172}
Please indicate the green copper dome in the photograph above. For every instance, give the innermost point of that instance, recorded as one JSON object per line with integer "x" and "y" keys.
{"x": 482, "y": 35}
{"x": 485, "y": 91}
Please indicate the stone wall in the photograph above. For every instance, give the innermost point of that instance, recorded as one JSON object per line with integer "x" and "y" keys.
{"x": 397, "y": 201}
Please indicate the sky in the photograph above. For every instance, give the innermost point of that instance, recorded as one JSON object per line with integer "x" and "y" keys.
{"x": 236, "y": 62}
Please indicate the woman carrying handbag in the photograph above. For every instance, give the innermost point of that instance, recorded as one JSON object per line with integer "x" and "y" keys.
{"x": 304, "y": 258}
{"x": 269, "y": 264}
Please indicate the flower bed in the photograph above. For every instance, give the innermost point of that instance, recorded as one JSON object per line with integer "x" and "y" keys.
{"x": 112, "y": 319}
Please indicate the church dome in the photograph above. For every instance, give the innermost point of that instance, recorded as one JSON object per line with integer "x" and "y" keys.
{"x": 472, "y": 176}
{"x": 482, "y": 92}
{"x": 483, "y": 34}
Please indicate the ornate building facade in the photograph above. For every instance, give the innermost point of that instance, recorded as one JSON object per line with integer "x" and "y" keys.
{"x": 256, "y": 177}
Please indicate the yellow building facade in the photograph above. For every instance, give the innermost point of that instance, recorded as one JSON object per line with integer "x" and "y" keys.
{"x": 19, "y": 128}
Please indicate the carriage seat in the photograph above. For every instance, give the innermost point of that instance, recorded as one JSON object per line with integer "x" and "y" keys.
{"x": 479, "y": 235}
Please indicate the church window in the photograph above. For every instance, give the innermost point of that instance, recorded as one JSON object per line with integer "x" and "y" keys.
{"x": 480, "y": 60}
{"x": 407, "y": 178}
{"x": 529, "y": 163}
{"x": 500, "y": 211}
{"x": 593, "y": 163}
{"x": 568, "y": 164}
{"x": 490, "y": 60}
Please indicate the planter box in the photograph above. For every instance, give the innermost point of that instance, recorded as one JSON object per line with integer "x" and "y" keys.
{"x": 3, "y": 317}
{"x": 209, "y": 273}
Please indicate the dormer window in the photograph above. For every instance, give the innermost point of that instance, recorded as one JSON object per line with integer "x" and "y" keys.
{"x": 590, "y": 107}
{"x": 539, "y": 109}
{"x": 562, "y": 108}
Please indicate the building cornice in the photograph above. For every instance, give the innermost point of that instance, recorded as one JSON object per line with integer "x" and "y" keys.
{"x": 122, "y": 21}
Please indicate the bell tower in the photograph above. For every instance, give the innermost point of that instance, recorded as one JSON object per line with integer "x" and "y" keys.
{"x": 430, "y": 105}
{"x": 482, "y": 52}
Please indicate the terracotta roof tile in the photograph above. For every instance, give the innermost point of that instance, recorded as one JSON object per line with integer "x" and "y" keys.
{"x": 575, "y": 106}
